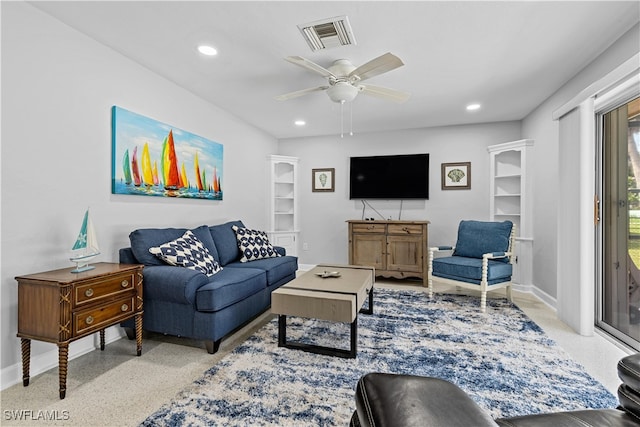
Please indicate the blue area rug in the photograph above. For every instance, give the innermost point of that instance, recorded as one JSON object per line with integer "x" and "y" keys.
{"x": 503, "y": 360}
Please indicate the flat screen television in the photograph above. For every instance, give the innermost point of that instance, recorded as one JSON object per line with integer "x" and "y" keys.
{"x": 404, "y": 176}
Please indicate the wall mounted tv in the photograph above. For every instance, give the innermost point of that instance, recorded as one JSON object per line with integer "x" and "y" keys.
{"x": 404, "y": 176}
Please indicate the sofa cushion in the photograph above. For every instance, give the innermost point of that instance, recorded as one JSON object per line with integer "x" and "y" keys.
{"x": 476, "y": 238}
{"x": 172, "y": 284}
{"x": 470, "y": 269}
{"x": 228, "y": 287}
{"x": 253, "y": 244}
{"x": 277, "y": 269}
{"x": 187, "y": 251}
{"x": 225, "y": 241}
{"x": 145, "y": 238}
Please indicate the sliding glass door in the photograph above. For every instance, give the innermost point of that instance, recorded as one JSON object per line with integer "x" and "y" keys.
{"x": 619, "y": 288}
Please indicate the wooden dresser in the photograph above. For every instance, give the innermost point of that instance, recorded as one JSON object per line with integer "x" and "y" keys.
{"x": 60, "y": 307}
{"x": 396, "y": 249}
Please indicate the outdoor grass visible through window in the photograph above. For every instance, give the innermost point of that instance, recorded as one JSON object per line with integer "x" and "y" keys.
{"x": 634, "y": 239}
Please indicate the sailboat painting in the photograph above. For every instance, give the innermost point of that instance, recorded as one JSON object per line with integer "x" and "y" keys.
{"x": 86, "y": 247}
{"x": 151, "y": 158}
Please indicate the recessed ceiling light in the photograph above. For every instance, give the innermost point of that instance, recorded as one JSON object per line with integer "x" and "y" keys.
{"x": 299, "y": 123}
{"x": 473, "y": 107}
{"x": 207, "y": 50}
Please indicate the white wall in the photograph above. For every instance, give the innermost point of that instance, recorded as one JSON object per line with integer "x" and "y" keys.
{"x": 323, "y": 215}
{"x": 540, "y": 126}
{"x": 57, "y": 90}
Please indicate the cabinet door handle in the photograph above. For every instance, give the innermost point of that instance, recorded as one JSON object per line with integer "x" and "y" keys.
{"x": 89, "y": 320}
{"x": 124, "y": 283}
{"x": 88, "y": 293}
{"x": 124, "y": 307}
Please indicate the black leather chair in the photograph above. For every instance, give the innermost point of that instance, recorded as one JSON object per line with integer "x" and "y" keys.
{"x": 385, "y": 400}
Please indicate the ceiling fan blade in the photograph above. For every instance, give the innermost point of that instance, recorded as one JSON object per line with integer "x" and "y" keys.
{"x": 309, "y": 65}
{"x": 385, "y": 93}
{"x": 379, "y": 65}
{"x": 298, "y": 93}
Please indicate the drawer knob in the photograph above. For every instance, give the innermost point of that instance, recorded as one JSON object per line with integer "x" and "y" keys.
{"x": 124, "y": 283}
{"x": 89, "y": 320}
{"x": 88, "y": 293}
{"x": 124, "y": 307}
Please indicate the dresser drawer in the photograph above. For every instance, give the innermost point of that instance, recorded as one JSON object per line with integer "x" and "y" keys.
{"x": 405, "y": 229}
{"x": 369, "y": 228}
{"x": 97, "y": 318}
{"x": 104, "y": 288}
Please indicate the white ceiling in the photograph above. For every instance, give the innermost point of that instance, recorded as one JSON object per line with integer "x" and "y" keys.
{"x": 507, "y": 55}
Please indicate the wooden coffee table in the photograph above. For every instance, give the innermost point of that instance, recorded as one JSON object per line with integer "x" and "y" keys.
{"x": 336, "y": 299}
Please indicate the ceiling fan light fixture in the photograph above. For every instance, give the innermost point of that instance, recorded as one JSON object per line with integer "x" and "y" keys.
{"x": 342, "y": 92}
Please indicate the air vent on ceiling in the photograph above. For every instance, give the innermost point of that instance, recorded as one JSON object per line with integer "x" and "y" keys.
{"x": 328, "y": 33}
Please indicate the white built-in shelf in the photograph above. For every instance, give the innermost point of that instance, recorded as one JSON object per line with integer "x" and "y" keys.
{"x": 283, "y": 202}
{"x": 510, "y": 198}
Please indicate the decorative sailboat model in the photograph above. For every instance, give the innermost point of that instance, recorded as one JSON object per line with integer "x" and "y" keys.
{"x": 86, "y": 247}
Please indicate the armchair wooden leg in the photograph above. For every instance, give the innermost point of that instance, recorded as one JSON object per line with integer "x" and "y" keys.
{"x": 483, "y": 301}
{"x": 430, "y": 288}
{"x": 509, "y": 293}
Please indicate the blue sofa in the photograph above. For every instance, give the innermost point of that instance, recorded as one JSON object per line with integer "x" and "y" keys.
{"x": 187, "y": 303}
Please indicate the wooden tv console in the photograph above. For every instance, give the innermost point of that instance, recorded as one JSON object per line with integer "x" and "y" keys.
{"x": 396, "y": 249}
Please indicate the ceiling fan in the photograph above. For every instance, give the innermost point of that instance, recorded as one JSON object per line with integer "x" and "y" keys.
{"x": 344, "y": 79}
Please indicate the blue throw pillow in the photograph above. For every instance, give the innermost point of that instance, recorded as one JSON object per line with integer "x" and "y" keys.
{"x": 225, "y": 240}
{"x": 476, "y": 238}
{"x": 187, "y": 251}
{"x": 145, "y": 238}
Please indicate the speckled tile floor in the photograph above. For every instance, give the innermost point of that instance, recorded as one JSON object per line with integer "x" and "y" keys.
{"x": 112, "y": 388}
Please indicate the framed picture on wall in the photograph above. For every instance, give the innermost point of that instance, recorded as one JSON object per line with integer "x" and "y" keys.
{"x": 456, "y": 176}
{"x": 323, "y": 180}
{"x": 151, "y": 158}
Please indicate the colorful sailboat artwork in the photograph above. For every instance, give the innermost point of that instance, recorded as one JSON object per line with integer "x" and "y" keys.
{"x": 86, "y": 247}
{"x": 126, "y": 168}
{"x": 162, "y": 160}
{"x": 136, "y": 169}
{"x": 170, "y": 164}
{"x": 147, "y": 172}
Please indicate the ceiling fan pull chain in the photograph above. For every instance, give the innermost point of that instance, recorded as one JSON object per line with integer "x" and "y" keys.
{"x": 351, "y": 119}
{"x": 342, "y": 119}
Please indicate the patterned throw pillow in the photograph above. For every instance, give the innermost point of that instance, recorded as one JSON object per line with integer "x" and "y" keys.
{"x": 254, "y": 244}
{"x": 187, "y": 251}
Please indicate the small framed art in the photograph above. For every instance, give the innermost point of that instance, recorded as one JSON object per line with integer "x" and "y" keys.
{"x": 456, "y": 176}
{"x": 323, "y": 180}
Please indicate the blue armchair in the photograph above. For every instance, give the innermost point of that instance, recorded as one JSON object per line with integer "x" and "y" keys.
{"x": 482, "y": 259}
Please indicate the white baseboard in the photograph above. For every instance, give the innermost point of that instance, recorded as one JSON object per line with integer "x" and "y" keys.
{"x": 43, "y": 362}
{"x": 539, "y": 293}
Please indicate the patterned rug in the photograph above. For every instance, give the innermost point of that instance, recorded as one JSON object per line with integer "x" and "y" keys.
{"x": 502, "y": 359}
